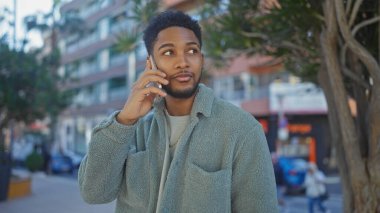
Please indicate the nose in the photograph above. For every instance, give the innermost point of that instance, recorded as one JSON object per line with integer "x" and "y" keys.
{"x": 181, "y": 62}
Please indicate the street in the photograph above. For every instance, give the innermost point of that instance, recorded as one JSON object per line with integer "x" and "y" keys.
{"x": 298, "y": 204}
{"x": 53, "y": 194}
{"x": 60, "y": 194}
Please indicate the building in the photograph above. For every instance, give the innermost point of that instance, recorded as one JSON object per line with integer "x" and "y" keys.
{"x": 97, "y": 71}
{"x": 99, "y": 74}
{"x": 293, "y": 114}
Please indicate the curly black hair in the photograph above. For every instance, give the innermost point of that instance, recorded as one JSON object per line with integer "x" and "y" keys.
{"x": 168, "y": 19}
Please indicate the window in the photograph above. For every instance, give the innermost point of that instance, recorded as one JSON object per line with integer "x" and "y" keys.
{"x": 116, "y": 83}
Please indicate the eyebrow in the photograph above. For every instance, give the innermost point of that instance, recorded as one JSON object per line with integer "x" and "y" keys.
{"x": 172, "y": 45}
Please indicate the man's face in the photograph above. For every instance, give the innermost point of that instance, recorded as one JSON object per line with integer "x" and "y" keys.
{"x": 177, "y": 53}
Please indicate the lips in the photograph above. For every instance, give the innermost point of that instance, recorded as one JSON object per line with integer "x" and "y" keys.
{"x": 183, "y": 77}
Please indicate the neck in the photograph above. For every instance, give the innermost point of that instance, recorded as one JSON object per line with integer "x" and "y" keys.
{"x": 179, "y": 107}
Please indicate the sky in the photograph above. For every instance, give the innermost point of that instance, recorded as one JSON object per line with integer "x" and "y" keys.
{"x": 24, "y": 8}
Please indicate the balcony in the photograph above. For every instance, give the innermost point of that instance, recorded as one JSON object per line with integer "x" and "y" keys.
{"x": 82, "y": 43}
{"x": 121, "y": 26}
{"x": 94, "y": 8}
{"x": 88, "y": 69}
{"x": 118, "y": 60}
{"x": 243, "y": 95}
{"x": 118, "y": 93}
{"x": 87, "y": 99}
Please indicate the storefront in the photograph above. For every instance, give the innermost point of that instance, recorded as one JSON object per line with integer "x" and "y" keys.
{"x": 308, "y": 138}
{"x": 296, "y": 124}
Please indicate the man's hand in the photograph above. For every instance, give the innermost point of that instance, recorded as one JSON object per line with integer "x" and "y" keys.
{"x": 141, "y": 98}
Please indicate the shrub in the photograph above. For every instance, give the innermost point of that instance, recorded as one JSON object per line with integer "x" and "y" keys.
{"x": 34, "y": 161}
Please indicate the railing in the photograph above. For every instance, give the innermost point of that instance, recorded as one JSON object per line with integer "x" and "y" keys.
{"x": 254, "y": 93}
{"x": 118, "y": 60}
{"x": 88, "y": 69}
{"x": 94, "y": 8}
{"x": 119, "y": 93}
{"x": 121, "y": 26}
{"x": 83, "y": 43}
{"x": 87, "y": 99}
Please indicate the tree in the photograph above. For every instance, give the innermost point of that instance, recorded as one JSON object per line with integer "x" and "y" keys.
{"x": 67, "y": 24}
{"x": 143, "y": 11}
{"x": 334, "y": 43}
{"x": 28, "y": 90}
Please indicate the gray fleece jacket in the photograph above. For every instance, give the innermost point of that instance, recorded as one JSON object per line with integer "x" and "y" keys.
{"x": 222, "y": 162}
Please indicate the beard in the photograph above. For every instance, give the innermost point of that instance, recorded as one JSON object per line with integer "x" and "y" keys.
{"x": 182, "y": 94}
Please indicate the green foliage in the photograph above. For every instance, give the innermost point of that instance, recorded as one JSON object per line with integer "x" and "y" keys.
{"x": 34, "y": 161}
{"x": 128, "y": 41}
{"x": 143, "y": 11}
{"x": 28, "y": 87}
{"x": 291, "y": 32}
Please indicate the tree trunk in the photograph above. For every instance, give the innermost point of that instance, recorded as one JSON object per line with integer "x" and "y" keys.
{"x": 364, "y": 191}
{"x": 336, "y": 139}
{"x": 374, "y": 148}
{"x": 361, "y": 98}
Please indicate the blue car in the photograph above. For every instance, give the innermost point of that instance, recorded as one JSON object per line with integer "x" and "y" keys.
{"x": 294, "y": 172}
{"x": 61, "y": 164}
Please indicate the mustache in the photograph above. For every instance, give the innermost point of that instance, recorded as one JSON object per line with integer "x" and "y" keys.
{"x": 182, "y": 72}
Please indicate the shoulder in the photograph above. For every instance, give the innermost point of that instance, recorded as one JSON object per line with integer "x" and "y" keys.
{"x": 234, "y": 114}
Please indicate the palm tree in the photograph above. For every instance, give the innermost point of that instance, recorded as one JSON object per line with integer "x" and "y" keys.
{"x": 143, "y": 11}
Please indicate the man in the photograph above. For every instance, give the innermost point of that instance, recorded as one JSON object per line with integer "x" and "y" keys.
{"x": 315, "y": 188}
{"x": 192, "y": 152}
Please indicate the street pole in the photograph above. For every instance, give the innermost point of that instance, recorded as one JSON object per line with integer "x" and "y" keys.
{"x": 14, "y": 23}
{"x": 282, "y": 128}
{"x": 131, "y": 72}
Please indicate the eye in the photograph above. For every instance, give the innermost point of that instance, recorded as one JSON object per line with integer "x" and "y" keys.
{"x": 192, "y": 51}
{"x": 168, "y": 53}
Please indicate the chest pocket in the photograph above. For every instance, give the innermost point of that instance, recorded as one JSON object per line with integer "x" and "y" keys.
{"x": 207, "y": 191}
{"x": 137, "y": 179}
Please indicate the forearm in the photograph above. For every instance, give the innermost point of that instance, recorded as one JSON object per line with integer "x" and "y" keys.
{"x": 101, "y": 171}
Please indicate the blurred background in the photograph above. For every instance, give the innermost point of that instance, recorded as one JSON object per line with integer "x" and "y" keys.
{"x": 307, "y": 70}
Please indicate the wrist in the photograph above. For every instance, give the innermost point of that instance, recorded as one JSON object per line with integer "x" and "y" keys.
{"x": 123, "y": 120}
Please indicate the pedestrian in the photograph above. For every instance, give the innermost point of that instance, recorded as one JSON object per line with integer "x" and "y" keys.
{"x": 174, "y": 147}
{"x": 315, "y": 188}
{"x": 47, "y": 157}
{"x": 279, "y": 175}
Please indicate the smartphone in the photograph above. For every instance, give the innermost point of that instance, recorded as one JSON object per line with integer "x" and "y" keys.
{"x": 154, "y": 67}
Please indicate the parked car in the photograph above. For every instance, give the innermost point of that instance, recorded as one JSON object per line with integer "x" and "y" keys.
{"x": 294, "y": 172}
{"x": 75, "y": 158}
{"x": 61, "y": 164}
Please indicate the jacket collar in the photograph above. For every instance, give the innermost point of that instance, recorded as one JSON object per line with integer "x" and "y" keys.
{"x": 202, "y": 103}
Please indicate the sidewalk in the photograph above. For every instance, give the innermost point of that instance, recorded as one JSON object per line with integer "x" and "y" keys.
{"x": 299, "y": 203}
{"x": 61, "y": 195}
{"x": 53, "y": 194}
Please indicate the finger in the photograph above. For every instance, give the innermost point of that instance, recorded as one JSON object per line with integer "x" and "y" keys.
{"x": 153, "y": 72}
{"x": 277, "y": 4}
{"x": 152, "y": 90}
{"x": 153, "y": 78}
{"x": 151, "y": 97}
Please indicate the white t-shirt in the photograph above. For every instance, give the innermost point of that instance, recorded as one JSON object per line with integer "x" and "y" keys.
{"x": 176, "y": 127}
